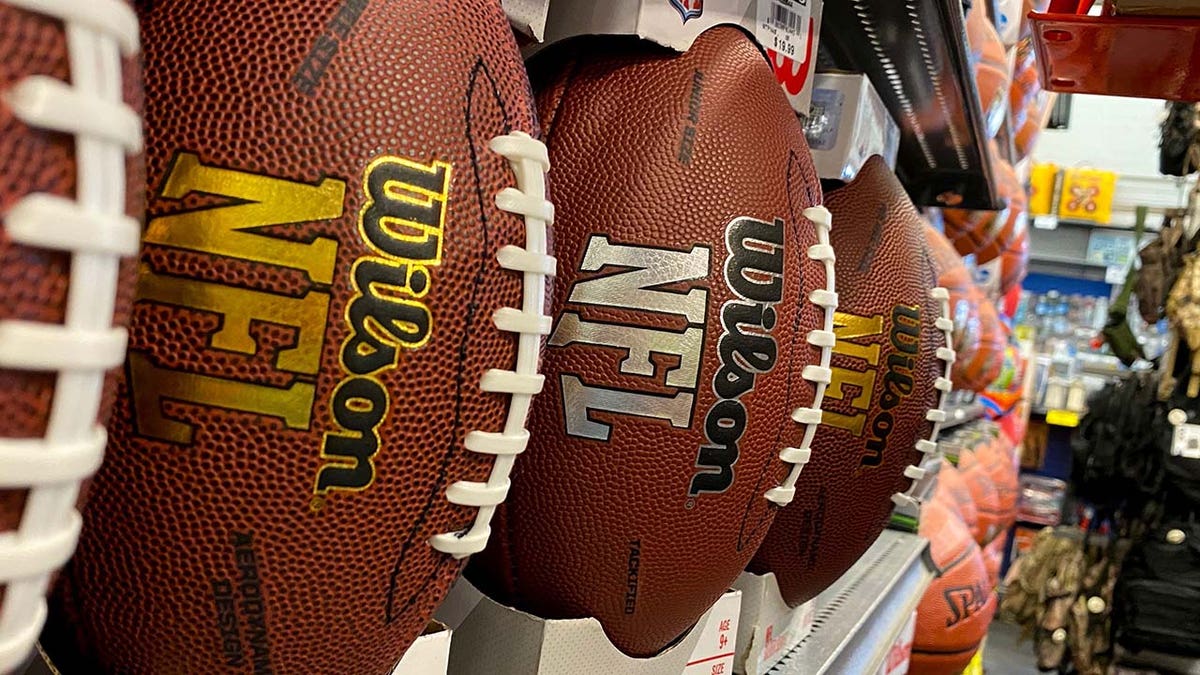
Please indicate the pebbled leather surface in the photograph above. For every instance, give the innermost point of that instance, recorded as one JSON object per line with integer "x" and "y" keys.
{"x": 607, "y": 528}
{"x": 843, "y": 500}
{"x": 215, "y": 553}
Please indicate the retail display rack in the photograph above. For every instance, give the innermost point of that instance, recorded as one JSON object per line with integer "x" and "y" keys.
{"x": 915, "y": 53}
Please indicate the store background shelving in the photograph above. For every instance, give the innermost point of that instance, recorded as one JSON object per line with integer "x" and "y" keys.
{"x": 915, "y": 53}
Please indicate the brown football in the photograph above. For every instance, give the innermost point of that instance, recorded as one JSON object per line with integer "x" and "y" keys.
{"x": 890, "y": 370}
{"x": 685, "y": 336}
{"x": 334, "y": 340}
{"x": 71, "y": 178}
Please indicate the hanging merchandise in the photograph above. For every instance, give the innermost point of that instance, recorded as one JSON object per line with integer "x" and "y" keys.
{"x": 1157, "y": 598}
{"x": 1087, "y": 194}
{"x": 1183, "y": 310}
{"x": 1179, "y": 142}
{"x": 1014, "y": 263}
{"x": 953, "y": 491}
{"x": 1117, "y": 333}
{"x": 1061, "y": 594}
{"x": 1161, "y": 261}
{"x": 1043, "y": 178}
{"x": 1117, "y": 458}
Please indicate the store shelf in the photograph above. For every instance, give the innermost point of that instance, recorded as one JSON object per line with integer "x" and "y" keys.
{"x": 1152, "y": 659}
{"x": 860, "y": 616}
{"x": 915, "y": 53}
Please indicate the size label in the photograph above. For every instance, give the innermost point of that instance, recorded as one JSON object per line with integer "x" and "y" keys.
{"x": 1186, "y": 441}
{"x": 783, "y": 26}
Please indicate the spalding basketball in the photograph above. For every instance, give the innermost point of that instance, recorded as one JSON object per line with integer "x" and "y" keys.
{"x": 977, "y": 372}
{"x": 991, "y": 67}
{"x": 984, "y": 234}
{"x": 691, "y": 336}
{"x": 989, "y": 510}
{"x": 957, "y": 607}
{"x": 70, "y": 219}
{"x": 334, "y": 341}
{"x": 953, "y": 490}
{"x": 890, "y": 375}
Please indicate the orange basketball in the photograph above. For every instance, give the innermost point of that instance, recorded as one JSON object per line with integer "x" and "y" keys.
{"x": 977, "y": 372}
{"x": 1014, "y": 262}
{"x": 952, "y": 490}
{"x": 1028, "y": 133}
{"x": 991, "y": 66}
{"x": 957, "y": 608}
{"x": 989, "y": 511}
{"x": 986, "y": 233}
{"x": 997, "y": 458}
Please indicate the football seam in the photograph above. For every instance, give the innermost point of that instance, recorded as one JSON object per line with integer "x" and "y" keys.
{"x": 820, "y": 374}
{"x": 95, "y": 231}
{"x": 529, "y": 160}
{"x": 928, "y": 447}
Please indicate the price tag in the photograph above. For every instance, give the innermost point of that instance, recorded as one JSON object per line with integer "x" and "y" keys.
{"x": 1115, "y": 274}
{"x": 1062, "y": 418}
{"x": 1186, "y": 442}
{"x": 1045, "y": 222}
{"x": 783, "y": 26}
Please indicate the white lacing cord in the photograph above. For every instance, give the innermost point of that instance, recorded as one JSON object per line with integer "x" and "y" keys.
{"x": 530, "y": 161}
{"x": 94, "y": 229}
{"x": 928, "y": 447}
{"x": 819, "y": 373}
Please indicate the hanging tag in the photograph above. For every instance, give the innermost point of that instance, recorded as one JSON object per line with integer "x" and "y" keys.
{"x": 783, "y": 26}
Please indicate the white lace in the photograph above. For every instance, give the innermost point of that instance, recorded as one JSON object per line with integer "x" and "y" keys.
{"x": 927, "y": 447}
{"x": 94, "y": 229}
{"x": 819, "y": 373}
{"x": 530, "y": 161}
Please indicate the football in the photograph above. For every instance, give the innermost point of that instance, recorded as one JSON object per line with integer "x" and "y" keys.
{"x": 334, "y": 341}
{"x": 70, "y": 212}
{"x": 890, "y": 374}
{"x": 692, "y": 322}
{"x": 957, "y": 607}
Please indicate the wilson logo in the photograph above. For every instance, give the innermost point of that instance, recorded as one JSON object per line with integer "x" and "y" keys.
{"x": 754, "y": 272}
{"x": 402, "y": 223}
{"x": 856, "y": 337}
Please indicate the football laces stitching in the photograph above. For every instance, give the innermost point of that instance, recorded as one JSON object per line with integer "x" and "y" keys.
{"x": 530, "y": 161}
{"x": 819, "y": 374}
{"x": 928, "y": 447}
{"x": 94, "y": 229}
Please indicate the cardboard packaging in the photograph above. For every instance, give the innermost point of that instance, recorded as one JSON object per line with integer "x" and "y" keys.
{"x": 1087, "y": 194}
{"x": 528, "y": 17}
{"x": 787, "y": 29}
{"x": 428, "y": 654}
{"x": 847, "y": 124}
{"x": 498, "y": 640}
{"x": 768, "y": 629}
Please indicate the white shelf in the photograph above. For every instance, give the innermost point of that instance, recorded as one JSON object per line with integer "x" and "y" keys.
{"x": 860, "y": 616}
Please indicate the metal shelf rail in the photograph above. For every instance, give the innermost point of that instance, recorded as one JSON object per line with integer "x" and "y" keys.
{"x": 915, "y": 53}
{"x": 859, "y": 617}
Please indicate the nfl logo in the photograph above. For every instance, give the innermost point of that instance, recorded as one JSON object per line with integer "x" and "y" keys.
{"x": 688, "y": 9}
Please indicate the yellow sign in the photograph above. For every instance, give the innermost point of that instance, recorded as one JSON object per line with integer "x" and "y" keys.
{"x": 1087, "y": 194}
{"x": 1062, "y": 418}
{"x": 1041, "y": 189}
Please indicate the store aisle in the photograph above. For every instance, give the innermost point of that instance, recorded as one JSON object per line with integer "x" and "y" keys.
{"x": 1003, "y": 655}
